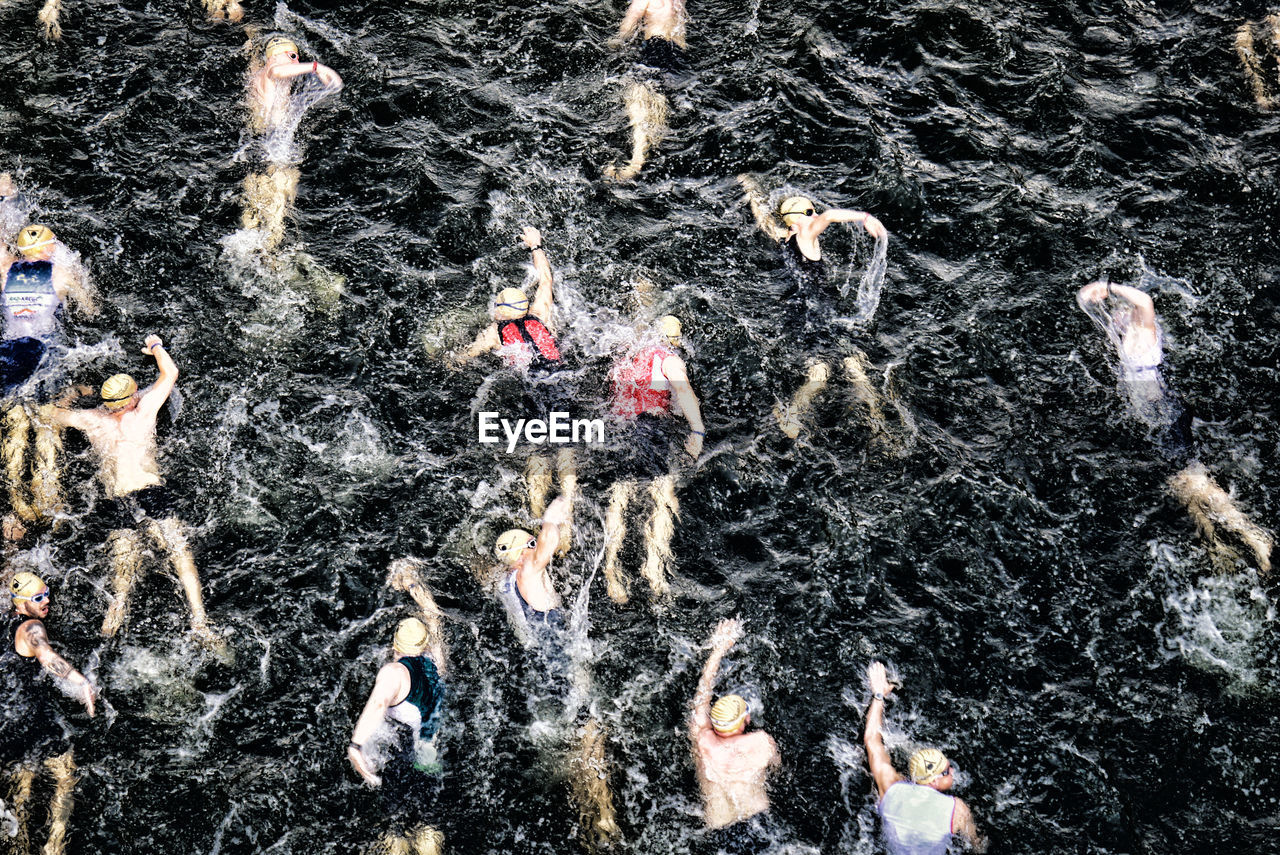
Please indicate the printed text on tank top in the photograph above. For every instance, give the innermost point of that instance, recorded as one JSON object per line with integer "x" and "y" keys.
{"x": 30, "y": 301}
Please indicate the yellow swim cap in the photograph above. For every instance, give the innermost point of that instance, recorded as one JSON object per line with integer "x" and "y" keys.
{"x": 670, "y": 328}
{"x": 117, "y": 390}
{"x": 34, "y": 237}
{"x": 795, "y": 206}
{"x": 728, "y": 714}
{"x": 411, "y": 637}
{"x": 927, "y": 764}
{"x": 512, "y": 543}
{"x": 26, "y": 585}
{"x": 280, "y": 45}
{"x": 511, "y": 304}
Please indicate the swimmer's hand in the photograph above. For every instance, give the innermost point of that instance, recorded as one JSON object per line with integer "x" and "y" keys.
{"x": 532, "y": 237}
{"x": 878, "y": 680}
{"x": 7, "y": 187}
{"x": 328, "y": 77}
{"x": 1094, "y": 292}
{"x": 557, "y": 512}
{"x": 616, "y": 43}
{"x": 728, "y": 631}
{"x": 693, "y": 445}
{"x": 361, "y": 764}
{"x": 89, "y": 694}
{"x": 874, "y": 227}
{"x": 152, "y": 342}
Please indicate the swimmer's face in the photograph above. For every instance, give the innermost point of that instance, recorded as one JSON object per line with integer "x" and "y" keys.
{"x": 36, "y": 606}
{"x": 946, "y": 780}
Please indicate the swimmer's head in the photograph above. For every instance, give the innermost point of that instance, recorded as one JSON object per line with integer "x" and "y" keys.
{"x": 34, "y": 238}
{"x": 511, "y": 305}
{"x": 512, "y": 544}
{"x": 117, "y": 391}
{"x": 794, "y": 207}
{"x": 729, "y": 715}
{"x": 670, "y": 329}
{"x": 411, "y": 637}
{"x": 280, "y": 45}
{"x": 26, "y": 587}
{"x": 928, "y": 765}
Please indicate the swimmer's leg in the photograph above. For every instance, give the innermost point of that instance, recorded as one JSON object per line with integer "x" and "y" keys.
{"x": 567, "y": 472}
{"x": 1252, "y": 68}
{"x": 615, "y": 531}
{"x": 647, "y": 111}
{"x": 427, "y": 841}
{"x": 537, "y": 478}
{"x": 789, "y": 416}
{"x": 268, "y": 199}
{"x": 126, "y": 565}
{"x": 391, "y": 844}
{"x": 1210, "y": 506}
{"x": 171, "y": 535}
{"x": 46, "y": 485}
{"x": 405, "y": 574}
{"x": 63, "y": 770}
{"x": 14, "y": 450}
{"x": 19, "y": 796}
{"x": 589, "y": 788}
{"x": 658, "y": 533}
{"x": 49, "y": 17}
{"x": 855, "y": 367}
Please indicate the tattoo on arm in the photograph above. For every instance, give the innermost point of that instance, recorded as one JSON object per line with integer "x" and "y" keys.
{"x": 58, "y": 667}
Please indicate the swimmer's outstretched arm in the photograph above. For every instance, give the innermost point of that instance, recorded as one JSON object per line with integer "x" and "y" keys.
{"x": 540, "y": 308}
{"x": 842, "y": 215}
{"x": 726, "y": 634}
{"x": 487, "y": 341}
{"x": 1140, "y": 300}
{"x": 386, "y": 689}
{"x": 759, "y": 203}
{"x": 963, "y": 825}
{"x": 555, "y": 516}
{"x": 33, "y": 633}
{"x": 74, "y": 283}
{"x": 882, "y": 771}
{"x": 673, "y": 368}
{"x": 154, "y": 396}
{"x": 635, "y": 14}
{"x": 290, "y": 70}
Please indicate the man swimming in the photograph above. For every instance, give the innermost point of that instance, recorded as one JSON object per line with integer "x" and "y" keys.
{"x": 663, "y": 22}
{"x": 122, "y": 433}
{"x": 731, "y": 764}
{"x": 1135, "y": 331}
{"x": 530, "y": 595}
{"x": 523, "y": 334}
{"x": 408, "y": 692}
{"x": 917, "y": 817}
{"x": 650, "y": 386}
{"x": 797, "y": 227}
{"x": 270, "y": 87}
{"x": 32, "y": 731}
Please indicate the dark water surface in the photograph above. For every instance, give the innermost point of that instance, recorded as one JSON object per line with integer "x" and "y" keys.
{"x": 1012, "y": 550}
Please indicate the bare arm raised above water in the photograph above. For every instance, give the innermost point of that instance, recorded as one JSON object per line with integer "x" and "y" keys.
{"x": 726, "y": 634}
{"x": 818, "y": 224}
{"x": 540, "y": 308}
{"x": 882, "y": 771}
{"x": 765, "y": 217}
{"x": 154, "y": 396}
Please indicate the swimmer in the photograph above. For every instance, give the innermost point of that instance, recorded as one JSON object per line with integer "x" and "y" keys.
{"x": 224, "y": 10}
{"x": 916, "y": 815}
{"x": 31, "y": 727}
{"x": 408, "y": 692}
{"x": 663, "y": 48}
{"x": 1135, "y": 331}
{"x": 650, "y": 386}
{"x": 731, "y": 764}
{"x": 523, "y": 334}
{"x": 37, "y": 284}
{"x": 1252, "y": 56}
{"x": 270, "y": 87}
{"x": 526, "y": 586}
{"x": 797, "y": 227}
{"x": 122, "y": 433}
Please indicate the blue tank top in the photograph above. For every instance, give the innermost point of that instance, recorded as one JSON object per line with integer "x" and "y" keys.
{"x": 916, "y": 819}
{"x": 30, "y": 301}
